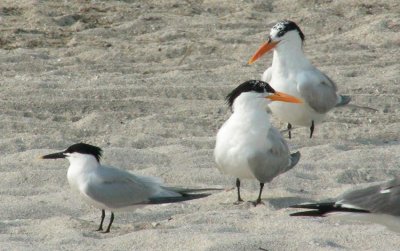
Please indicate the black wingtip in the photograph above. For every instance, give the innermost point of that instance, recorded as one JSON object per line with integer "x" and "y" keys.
{"x": 325, "y": 206}
{"x": 312, "y": 213}
{"x": 321, "y": 209}
{"x": 185, "y": 197}
{"x": 186, "y": 191}
{"x": 309, "y": 205}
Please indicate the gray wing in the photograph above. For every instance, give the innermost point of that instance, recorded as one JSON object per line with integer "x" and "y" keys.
{"x": 383, "y": 198}
{"x": 117, "y": 188}
{"x": 318, "y": 90}
{"x": 268, "y": 164}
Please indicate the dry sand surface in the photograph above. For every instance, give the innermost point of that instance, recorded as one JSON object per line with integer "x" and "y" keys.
{"x": 146, "y": 81}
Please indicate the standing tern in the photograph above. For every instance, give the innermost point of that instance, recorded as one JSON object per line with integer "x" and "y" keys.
{"x": 247, "y": 146}
{"x": 377, "y": 204}
{"x": 291, "y": 72}
{"x": 110, "y": 188}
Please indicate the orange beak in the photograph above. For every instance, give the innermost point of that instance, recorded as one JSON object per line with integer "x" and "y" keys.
{"x": 280, "y": 96}
{"x": 264, "y": 48}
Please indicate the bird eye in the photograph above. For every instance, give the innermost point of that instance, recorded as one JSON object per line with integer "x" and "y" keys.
{"x": 281, "y": 33}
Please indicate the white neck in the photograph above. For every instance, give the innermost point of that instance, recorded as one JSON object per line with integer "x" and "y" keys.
{"x": 80, "y": 166}
{"x": 83, "y": 161}
{"x": 251, "y": 112}
{"x": 249, "y": 102}
{"x": 288, "y": 54}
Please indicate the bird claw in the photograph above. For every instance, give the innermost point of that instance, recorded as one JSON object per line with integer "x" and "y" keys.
{"x": 257, "y": 202}
{"x": 238, "y": 202}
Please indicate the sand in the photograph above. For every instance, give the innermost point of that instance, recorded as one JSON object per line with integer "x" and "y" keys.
{"x": 146, "y": 81}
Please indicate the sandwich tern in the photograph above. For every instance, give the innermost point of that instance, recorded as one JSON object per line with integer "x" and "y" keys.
{"x": 110, "y": 188}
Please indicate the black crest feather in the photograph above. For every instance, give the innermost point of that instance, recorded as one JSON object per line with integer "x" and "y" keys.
{"x": 287, "y": 25}
{"x": 248, "y": 86}
{"x": 85, "y": 149}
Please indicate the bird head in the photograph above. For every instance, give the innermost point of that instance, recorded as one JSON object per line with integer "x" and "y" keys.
{"x": 282, "y": 32}
{"x": 252, "y": 90}
{"x": 77, "y": 151}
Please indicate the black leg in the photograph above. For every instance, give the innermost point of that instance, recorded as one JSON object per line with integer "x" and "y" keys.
{"x": 311, "y": 128}
{"x": 238, "y": 190}
{"x": 109, "y": 225}
{"x": 258, "y": 201}
{"x": 103, "y": 215}
{"x": 289, "y": 127}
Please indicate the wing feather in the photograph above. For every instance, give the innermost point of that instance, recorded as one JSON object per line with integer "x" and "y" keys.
{"x": 117, "y": 188}
{"x": 383, "y": 198}
{"x": 318, "y": 90}
{"x": 268, "y": 164}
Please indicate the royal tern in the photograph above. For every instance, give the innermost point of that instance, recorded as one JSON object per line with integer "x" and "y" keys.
{"x": 377, "y": 204}
{"x": 110, "y": 188}
{"x": 291, "y": 72}
{"x": 247, "y": 146}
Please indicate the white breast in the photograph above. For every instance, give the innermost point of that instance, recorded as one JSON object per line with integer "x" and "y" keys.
{"x": 239, "y": 138}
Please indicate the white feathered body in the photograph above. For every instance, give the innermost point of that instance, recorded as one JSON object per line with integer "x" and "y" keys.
{"x": 244, "y": 149}
{"x": 292, "y": 73}
{"x": 110, "y": 188}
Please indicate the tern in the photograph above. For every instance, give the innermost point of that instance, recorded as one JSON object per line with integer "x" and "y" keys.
{"x": 291, "y": 72}
{"x": 110, "y": 188}
{"x": 247, "y": 146}
{"x": 376, "y": 204}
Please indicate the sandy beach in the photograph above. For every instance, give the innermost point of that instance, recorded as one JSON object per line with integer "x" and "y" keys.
{"x": 146, "y": 82}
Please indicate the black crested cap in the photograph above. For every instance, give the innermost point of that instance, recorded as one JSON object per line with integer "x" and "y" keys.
{"x": 85, "y": 149}
{"x": 286, "y": 25}
{"x": 248, "y": 86}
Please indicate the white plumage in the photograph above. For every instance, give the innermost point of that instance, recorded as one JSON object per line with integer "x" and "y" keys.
{"x": 291, "y": 72}
{"x": 110, "y": 188}
{"x": 247, "y": 146}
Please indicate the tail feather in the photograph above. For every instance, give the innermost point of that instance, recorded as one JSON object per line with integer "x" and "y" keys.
{"x": 363, "y": 107}
{"x": 344, "y": 100}
{"x": 294, "y": 159}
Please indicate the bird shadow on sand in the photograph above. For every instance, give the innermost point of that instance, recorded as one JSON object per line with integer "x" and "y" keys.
{"x": 117, "y": 230}
{"x": 285, "y": 202}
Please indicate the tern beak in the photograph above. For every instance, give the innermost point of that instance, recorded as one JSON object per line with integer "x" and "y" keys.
{"x": 264, "y": 48}
{"x": 59, "y": 155}
{"x": 280, "y": 96}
